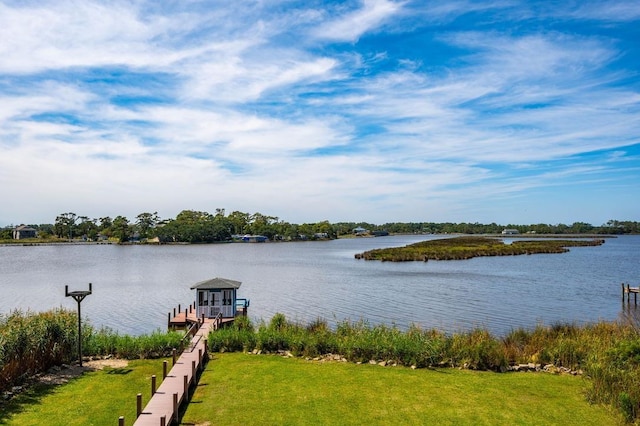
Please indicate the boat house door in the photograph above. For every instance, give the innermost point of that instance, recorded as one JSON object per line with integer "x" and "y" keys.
{"x": 214, "y": 296}
{"x": 227, "y": 304}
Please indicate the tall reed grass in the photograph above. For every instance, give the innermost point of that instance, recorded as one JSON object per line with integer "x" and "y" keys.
{"x": 31, "y": 343}
{"x": 608, "y": 353}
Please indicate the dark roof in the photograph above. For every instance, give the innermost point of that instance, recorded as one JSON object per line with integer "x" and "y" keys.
{"x": 216, "y": 283}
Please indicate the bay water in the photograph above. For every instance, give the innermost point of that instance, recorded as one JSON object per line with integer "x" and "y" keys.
{"x": 135, "y": 286}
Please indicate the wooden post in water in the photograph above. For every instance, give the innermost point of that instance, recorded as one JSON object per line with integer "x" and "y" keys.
{"x": 628, "y": 293}
{"x": 138, "y": 405}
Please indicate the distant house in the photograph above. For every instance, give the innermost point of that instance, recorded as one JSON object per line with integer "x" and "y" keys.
{"x": 360, "y": 231}
{"x": 21, "y": 232}
{"x": 510, "y": 232}
{"x": 254, "y": 238}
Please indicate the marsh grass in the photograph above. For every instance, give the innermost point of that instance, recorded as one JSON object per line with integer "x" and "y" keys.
{"x": 31, "y": 343}
{"x": 466, "y": 247}
{"x": 108, "y": 342}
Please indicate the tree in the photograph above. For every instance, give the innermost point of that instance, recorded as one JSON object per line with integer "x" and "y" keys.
{"x": 145, "y": 223}
{"x": 239, "y": 222}
{"x": 64, "y": 225}
{"x": 121, "y": 229}
{"x": 87, "y": 227}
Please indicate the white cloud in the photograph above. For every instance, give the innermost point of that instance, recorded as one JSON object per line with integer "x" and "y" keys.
{"x": 352, "y": 26}
{"x": 129, "y": 107}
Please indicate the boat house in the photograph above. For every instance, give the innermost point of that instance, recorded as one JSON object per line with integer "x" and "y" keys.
{"x": 218, "y": 297}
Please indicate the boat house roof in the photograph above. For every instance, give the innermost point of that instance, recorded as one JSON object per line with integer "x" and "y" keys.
{"x": 216, "y": 283}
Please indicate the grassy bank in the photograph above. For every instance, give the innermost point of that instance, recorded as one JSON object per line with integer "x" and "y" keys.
{"x": 258, "y": 390}
{"x": 607, "y": 354}
{"x": 466, "y": 247}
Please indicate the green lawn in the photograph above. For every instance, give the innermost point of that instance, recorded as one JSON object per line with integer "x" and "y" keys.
{"x": 96, "y": 398}
{"x": 241, "y": 389}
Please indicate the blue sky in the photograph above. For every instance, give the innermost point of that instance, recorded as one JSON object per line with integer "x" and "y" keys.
{"x": 379, "y": 110}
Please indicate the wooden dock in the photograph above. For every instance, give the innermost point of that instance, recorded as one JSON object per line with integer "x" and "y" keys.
{"x": 628, "y": 291}
{"x": 163, "y": 407}
{"x": 186, "y": 318}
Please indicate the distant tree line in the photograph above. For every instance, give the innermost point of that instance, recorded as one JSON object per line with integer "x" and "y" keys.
{"x": 191, "y": 226}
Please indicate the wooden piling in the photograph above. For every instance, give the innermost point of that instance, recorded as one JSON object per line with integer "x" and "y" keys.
{"x": 175, "y": 405}
{"x": 138, "y": 405}
{"x": 628, "y": 290}
{"x": 121, "y": 421}
{"x": 153, "y": 385}
{"x": 186, "y": 387}
{"x": 164, "y": 369}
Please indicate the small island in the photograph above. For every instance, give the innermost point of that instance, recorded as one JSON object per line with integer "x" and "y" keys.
{"x": 467, "y": 247}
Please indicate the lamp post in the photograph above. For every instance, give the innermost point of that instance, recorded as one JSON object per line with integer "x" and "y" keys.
{"x": 78, "y": 296}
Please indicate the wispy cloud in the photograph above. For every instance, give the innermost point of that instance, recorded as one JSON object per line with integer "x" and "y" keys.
{"x": 351, "y": 25}
{"x": 363, "y": 110}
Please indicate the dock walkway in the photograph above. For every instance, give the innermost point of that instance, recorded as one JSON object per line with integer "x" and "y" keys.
{"x": 162, "y": 408}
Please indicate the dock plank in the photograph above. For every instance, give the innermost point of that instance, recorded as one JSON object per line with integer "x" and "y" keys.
{"x": 161, "y": 403}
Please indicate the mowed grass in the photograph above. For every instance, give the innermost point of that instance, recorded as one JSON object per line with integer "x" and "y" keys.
{"x": 95, "y": 398}
{"x": 268, "y": 390}
{"x": 247, "y": 389}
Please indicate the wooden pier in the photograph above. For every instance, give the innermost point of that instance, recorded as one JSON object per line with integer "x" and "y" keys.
{"x": 163, "y": 407}
{"x": 628, "y": 291}
{"x": 188, "y": 317}
{"x": 217, "y": 305}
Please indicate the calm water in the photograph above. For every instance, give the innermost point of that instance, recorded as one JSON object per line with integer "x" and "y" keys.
{"x": 135, "y": 286}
